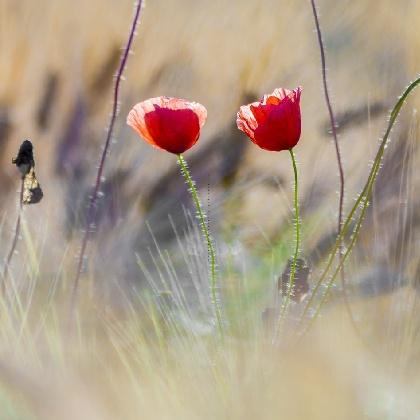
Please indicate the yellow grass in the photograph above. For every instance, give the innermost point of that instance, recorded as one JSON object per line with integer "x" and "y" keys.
{"x": 123, "y": 362}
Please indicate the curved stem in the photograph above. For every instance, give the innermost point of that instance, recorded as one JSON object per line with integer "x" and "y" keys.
{"x": 206, "y": 234}
{"x": 338, "y": 156}
{"x": 91, "y": 213}
{"x": 330, "y": 113}
{"x": 363, "y": 200}
{"x": 342, "y": 261}
{"x": 291, "y": 282}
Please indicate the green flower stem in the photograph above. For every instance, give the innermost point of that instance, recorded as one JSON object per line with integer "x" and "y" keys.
{"x": 210, "y": 246}
{"x": 363, "y": 202}
{"x": 286, "y": 301}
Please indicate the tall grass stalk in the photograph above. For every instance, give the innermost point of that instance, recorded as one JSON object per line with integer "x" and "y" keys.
{"x": 338, "y": 156}
{"x": 363, "y": 202}
{"x": 91, "y": 212}
{"x": 207, "y": 237}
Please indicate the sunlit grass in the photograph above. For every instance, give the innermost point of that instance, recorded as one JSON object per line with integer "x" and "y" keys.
{"x": 148, "y": 348}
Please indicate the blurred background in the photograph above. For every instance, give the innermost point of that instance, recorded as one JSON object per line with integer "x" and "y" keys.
{"x": 57, "y": 62}
{"x": 57, "y": 65}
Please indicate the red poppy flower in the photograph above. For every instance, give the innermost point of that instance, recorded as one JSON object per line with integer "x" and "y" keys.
{"x": 274, "y": 122}
{"x": 170, "y": 124}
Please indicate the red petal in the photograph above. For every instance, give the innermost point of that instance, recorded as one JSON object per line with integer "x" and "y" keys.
{"x": 274, "y": 123}
{"x": 168, "y": 123}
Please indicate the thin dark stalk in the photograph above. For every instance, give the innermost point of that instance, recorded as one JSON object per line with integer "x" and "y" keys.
{"x": 91, "y": 213}
{"x": 338, "y": 156}
{"x": 14, "y": 241}
{"x": 362, "y": 201}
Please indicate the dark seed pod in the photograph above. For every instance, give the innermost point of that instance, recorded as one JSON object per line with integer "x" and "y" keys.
{"x": 32, "y": 192}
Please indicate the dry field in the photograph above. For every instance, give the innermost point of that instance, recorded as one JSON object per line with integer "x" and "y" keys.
{"x": 143, "y": 343}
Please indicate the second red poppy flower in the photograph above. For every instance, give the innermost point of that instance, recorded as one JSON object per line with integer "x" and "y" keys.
{"x": 273, "y": 123}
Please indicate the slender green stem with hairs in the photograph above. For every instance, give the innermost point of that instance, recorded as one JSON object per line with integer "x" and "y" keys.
{"x": 297, "y": 237}
{"x": 292, "y": 276}
{"x": 356, "y": 232}
{"x": 210, "y": 246}
{"x": 363, "y": 201}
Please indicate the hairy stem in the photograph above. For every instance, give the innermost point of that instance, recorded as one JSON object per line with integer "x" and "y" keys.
{"x": 331, "y": 114}
{"x": 291, "y": 282}
{"x": 363, "y": 201}
{"x": 207, "y": 237}
{"x": 338, "y": 156}
{"x": 15, "y": 239}
{"x": 342, "y": 260}
{"x": 91, "y": 212}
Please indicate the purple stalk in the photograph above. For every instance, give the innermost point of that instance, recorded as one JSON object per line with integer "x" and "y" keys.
{"x": 338, "y": 154}
{"x": 15, "y": 239}
{"x": 91, "y": 213}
